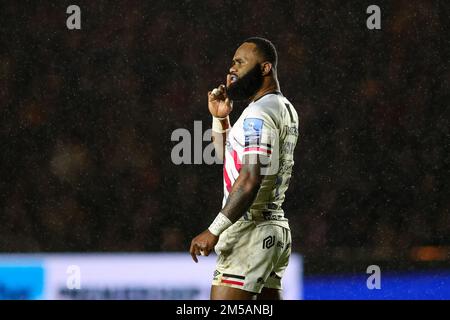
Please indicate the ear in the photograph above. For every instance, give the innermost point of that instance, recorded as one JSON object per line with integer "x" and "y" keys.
{"x": 266, "y": 68}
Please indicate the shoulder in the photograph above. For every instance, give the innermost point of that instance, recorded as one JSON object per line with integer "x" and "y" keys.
{"x": 270, "y": 103}
{"x": 267, "y": 108}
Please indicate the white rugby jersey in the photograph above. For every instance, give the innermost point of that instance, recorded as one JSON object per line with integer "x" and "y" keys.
{"x": 269, "y": 127}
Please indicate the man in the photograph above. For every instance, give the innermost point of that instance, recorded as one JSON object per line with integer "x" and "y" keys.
{"x": 250, "y": 234}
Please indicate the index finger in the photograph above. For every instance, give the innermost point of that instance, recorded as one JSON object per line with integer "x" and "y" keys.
{"x": 223, "y": 91}
{"x": 228, "y": 80}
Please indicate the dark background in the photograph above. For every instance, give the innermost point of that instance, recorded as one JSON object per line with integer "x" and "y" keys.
{"x": 87, "y": 117}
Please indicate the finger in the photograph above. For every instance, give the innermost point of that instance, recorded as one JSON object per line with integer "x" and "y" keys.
{"x": 219, "y": 90}
{"x": 197, "y": 252}
{"x": 228, "y": 80}
{"x": 222, "y": 95}
{"x": 192, "y": 252}
{"x": 214, "y": 94}
{"x": 202, "y": 249}
{"x": 223, "y": 91}
{"x": 212, "y": 97}
{"x": 206, "y": 251}
{"x": 194, "y": 257}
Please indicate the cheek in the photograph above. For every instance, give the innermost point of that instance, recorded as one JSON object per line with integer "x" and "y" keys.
{"x": 242, "y": 72}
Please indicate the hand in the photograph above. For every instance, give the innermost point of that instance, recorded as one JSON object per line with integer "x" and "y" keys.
{"x": 203, "y": 244}
{"x": 219, "y": 105}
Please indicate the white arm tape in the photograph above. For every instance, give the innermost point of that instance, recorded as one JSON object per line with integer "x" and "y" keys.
{"x": 217, "y": 125}
{"x": 220, "y": 224}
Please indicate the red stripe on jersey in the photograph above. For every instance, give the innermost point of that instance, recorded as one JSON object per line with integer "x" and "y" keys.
{"x": 226, "y": 177}
{"x": 237, "y": 163}
{"x": 257, "y": 149}
{"x": 238, "y": 283}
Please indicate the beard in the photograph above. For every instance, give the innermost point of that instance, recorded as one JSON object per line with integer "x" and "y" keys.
{"x": 246, "y": 86}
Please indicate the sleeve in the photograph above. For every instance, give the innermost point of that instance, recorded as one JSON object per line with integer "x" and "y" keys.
{"x": 260, "y": 133}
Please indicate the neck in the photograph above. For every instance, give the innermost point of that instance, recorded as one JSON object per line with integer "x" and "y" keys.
{"x": 269, "y": 85}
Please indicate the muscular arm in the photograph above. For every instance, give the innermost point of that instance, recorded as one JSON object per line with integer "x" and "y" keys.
{"x": 244, "y": 189}
{"x": 241, "y": 197}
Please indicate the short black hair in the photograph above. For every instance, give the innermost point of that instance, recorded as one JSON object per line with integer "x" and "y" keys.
{"x": 266, "y": 48}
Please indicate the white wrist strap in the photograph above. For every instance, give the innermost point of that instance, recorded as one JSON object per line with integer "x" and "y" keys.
{"x": 217, "y": 125}
{"x": 220, "y": 224}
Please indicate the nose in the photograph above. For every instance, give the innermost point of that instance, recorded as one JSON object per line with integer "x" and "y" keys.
{"x": 233, "y": 69}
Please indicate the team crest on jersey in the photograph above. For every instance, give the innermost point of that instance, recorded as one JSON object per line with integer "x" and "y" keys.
{"x": 252, "y": 130}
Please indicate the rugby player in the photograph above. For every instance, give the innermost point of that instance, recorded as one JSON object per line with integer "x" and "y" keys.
{"x": 251, "y": 235}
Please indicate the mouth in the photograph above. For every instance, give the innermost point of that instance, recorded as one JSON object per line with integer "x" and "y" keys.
{"x": 233, "y": 78}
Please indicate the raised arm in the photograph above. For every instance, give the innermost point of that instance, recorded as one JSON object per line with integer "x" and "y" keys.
{"x": 220, "y": 106}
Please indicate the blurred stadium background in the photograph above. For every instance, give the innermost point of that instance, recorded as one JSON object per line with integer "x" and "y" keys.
{"x": 87, "y": 118}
